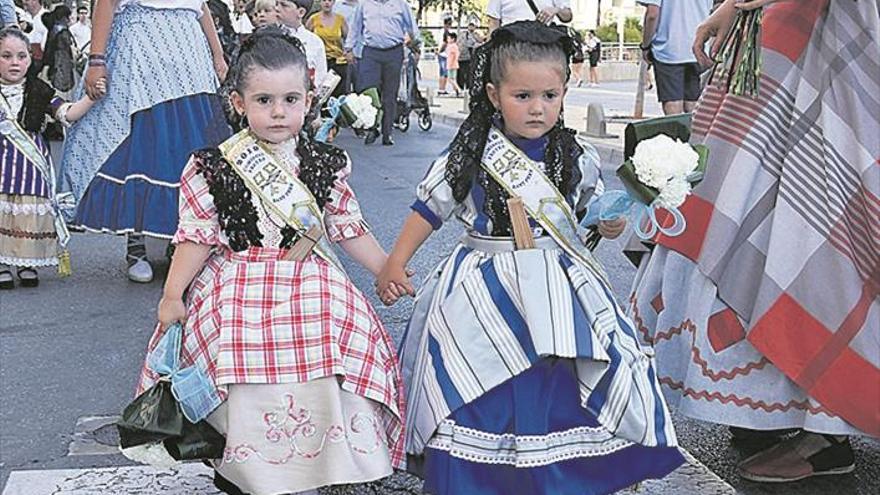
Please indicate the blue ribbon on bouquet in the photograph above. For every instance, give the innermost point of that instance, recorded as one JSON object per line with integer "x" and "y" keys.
{"x": 194, "y": 391}
{"x": 334, "y": 107}
{"x": 612, "y": 205}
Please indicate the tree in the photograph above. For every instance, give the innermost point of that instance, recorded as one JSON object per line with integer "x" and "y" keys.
{"x": 459, "y": 8}
{"x": 632, "y": 31}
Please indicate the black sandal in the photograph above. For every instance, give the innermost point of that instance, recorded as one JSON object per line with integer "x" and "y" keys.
{"x": 28, "y": 277}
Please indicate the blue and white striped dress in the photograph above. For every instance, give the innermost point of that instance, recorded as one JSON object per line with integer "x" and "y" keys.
{"x": 523, "y": 375}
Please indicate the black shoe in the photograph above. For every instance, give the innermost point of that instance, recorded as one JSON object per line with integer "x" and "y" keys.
{"x": 359, "y": 132}
{"x": 226, "y": 486}
{"x": 27, "y": 277}
{"x": 6, "y": 281}
{"x": 372, "y": 136}
{"x": 387, "y": 141}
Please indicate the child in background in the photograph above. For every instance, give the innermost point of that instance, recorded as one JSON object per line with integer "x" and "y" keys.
{"x": 452, "y": 55}
{"x": 523, "y": 376}
{"x": 307, "y": 374}
{"x": 265, "y": 13}
{"x": 290, "y": 17}
{"x": 29, "y": 233}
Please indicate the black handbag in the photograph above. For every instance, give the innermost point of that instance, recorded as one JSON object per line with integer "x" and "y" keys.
{"x": 151, "y": 417}
{"x": 156, "y": 416}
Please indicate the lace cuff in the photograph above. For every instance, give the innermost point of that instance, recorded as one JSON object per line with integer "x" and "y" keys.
{"x": 199, "y": 232}
{"x": 347, "y": 228}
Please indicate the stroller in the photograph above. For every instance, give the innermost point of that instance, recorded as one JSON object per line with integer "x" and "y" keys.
{"x": 410, "y": 98}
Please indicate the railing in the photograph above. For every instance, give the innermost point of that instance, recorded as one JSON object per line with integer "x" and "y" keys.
{"x": 612, "y": 52}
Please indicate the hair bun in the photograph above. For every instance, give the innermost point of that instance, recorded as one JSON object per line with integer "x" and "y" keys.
{"x": 271, "y": 32}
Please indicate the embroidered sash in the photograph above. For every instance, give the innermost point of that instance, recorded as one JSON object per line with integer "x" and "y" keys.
{"x": 521, "y": 177}
{"x": 15, "y": 134}
{"x": 277, "y": 187}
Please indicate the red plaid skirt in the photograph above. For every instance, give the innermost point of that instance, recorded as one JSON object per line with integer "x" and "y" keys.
{"x": 255, "y": 318}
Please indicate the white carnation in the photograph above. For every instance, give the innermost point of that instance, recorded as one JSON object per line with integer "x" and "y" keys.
{"x": 673, "y": 194}
{"x": 664, "y": 164}
{"x": 362, "y": 107}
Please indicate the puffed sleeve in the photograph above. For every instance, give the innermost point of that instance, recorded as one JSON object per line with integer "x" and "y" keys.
{"x": 342, "y": 214}
{"x": 591, "y": 185}
{"x": 434, "y": 200}
{"x": 198, "y": 216}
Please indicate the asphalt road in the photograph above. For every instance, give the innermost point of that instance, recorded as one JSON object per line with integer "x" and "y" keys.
{"x": 73, "y": 348}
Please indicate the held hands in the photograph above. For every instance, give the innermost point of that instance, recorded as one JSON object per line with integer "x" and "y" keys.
{"x": 393, "y": 282}
{"x": 171, "y": 310}
{"x": 95, "y": 75}
{"x": 100, "y": 88}
{"x": 611, "y": 229}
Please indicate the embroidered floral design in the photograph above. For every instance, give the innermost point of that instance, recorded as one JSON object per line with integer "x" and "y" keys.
{"x": 292, "y": 425}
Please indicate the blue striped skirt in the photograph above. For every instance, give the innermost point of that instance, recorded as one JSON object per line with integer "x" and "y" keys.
{"x": 524, "y": 376}
{"x": 123, "y": 160}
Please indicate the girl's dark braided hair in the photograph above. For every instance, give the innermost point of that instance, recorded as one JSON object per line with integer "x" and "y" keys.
{"x": 272, "y": 48}
{"x": 520, "y": 41}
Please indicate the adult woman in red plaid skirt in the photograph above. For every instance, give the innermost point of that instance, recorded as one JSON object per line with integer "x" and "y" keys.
{"x": 308, "y": 374}
{"x": 764, "y": 313}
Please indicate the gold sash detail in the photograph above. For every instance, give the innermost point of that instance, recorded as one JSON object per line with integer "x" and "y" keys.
{"x": 277, "y": 187}
{"x": 523, "y": 178}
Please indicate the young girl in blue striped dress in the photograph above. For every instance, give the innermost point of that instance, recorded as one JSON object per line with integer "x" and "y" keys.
{"x": 522, "y": 373}
{"x": 29, "y": 230}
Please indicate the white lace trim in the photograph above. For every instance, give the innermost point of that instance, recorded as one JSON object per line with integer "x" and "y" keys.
{"x": 142, "y": 177}
{"x": 524, "y": 451}
{"x": 28, "y": 262}
{"x": 25, "y": 209}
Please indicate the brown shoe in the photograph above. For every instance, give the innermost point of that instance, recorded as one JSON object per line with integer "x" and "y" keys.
{"x": 803, "y": 456}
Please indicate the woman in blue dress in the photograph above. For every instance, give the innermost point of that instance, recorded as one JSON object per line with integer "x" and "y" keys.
{"x": 123, "y": 162}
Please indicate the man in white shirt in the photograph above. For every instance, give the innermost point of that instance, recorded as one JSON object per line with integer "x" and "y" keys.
{"x": 38, "y": 34}
{"x": 290, "y": 15}
{"x": 504, "y": 12}
{"x": 82, "y": 28}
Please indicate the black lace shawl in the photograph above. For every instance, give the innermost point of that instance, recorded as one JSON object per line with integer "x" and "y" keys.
{"x": 466, "y": 150}
{"x": 319, "y": 164}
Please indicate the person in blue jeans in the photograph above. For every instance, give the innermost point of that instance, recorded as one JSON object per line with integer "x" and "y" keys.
{"x": 381, "y": 27}
{"x": 441, "y": 57}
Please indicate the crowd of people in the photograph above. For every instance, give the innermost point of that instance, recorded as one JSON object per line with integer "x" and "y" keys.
{"x": 192, "y": 122}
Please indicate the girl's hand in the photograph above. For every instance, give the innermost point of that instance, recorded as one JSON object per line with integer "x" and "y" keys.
{"x": 93, "y": 75}
{"x": 611, "y": 229}
{"x": 101, "y": 87}
{"x": 220, "y": 67}
{"x": 392, "y": 283}
{"x": 171, "y": 310}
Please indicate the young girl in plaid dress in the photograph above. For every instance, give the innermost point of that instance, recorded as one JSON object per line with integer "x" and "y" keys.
{"x": 307, "y": 374}
{"x": 522, "y": 374}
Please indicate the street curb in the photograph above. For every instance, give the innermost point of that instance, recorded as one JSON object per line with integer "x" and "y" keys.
{"x": 607, "y": 153}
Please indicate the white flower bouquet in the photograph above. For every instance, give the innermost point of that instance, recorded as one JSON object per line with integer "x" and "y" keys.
{"x": 662, "y": 170}
{"x": 659, "y": 175}
{"x": 358, "y": 111}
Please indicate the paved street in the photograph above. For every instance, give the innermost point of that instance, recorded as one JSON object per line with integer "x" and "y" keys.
{"x": 70, "y": 352}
